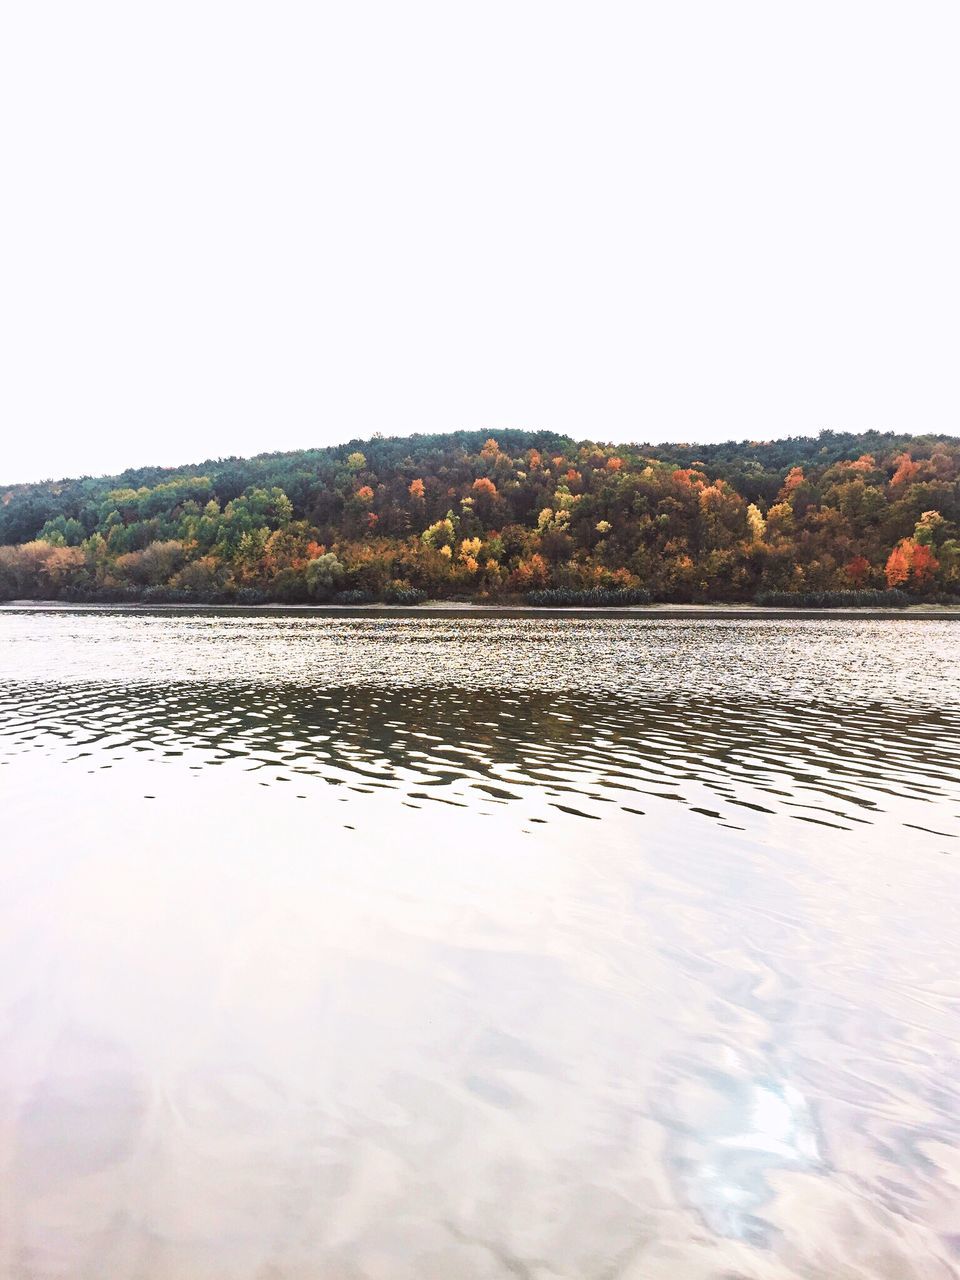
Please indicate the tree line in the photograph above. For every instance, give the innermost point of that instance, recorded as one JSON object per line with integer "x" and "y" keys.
{"x": 510, "y": 515}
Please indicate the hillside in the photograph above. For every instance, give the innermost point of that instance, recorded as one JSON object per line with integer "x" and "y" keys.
{"x": 500, "y": 515}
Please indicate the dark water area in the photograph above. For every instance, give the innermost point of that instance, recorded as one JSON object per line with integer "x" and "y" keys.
{"x": 365, "y": 947}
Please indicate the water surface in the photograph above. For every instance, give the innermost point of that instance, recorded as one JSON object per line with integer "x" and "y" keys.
{"x": 444, "y": 947}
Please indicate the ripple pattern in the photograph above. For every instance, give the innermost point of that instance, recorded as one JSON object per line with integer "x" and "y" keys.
{"x": 738, "y": 762}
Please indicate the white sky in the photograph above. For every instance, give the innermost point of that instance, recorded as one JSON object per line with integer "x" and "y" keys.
{"x": 227, "y": 227}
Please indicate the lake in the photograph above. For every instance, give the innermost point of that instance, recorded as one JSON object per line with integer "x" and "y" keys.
{"x": 371, "y": 947}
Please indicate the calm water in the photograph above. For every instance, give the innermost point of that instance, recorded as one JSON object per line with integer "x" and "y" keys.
{"x": 401, "y": 948}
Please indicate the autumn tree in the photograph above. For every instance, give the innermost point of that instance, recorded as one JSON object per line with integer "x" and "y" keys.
{"x": 911, "y": 563}
{"x": 857, "y": 570}
{"x": 905, "y": 471}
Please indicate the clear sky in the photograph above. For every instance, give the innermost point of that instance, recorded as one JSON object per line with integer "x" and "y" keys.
{"x": 228, "y": 227}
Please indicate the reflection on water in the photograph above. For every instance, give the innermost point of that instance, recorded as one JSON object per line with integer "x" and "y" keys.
{"x": 450, "y": 947}
{"x": 743, "y": 1129}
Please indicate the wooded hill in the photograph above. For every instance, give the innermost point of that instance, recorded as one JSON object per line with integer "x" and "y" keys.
{"x": 500, "y": 515}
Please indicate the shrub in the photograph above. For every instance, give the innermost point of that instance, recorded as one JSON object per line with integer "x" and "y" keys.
{"x": 249, "y": 596}
{"x": 398, "y": 593}
{"x": 834, "y": 599}
{"x": 593, "y": 597}
{"x": 353, "y": 597}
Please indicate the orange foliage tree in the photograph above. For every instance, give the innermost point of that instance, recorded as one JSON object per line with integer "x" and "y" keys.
{"x": 905, "y": 472}
{"x": 912, "y": 563}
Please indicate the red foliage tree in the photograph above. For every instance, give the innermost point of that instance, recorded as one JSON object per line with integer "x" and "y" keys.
{"x": 857, "y": 570}
{"x": 923, "y": 565}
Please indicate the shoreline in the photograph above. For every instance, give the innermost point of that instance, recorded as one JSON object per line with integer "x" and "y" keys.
{"x": 450, "y": 608}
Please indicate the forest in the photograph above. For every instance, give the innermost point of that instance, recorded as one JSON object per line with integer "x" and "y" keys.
{"x": 503, "y": 516}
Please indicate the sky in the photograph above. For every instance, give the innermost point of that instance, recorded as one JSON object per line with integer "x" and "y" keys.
{"x": 232, "y": 227}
